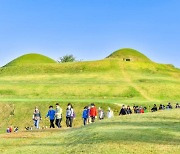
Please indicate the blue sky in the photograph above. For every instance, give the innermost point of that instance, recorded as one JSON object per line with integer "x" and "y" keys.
{"x": 90, "y": 29}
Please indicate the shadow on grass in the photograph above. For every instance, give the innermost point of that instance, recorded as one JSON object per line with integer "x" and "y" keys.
{"x": 170, "y": 125}
{"x": 120, "y": 132}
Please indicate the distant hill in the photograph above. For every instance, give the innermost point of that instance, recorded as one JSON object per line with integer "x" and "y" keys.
{"x": 31, "y": 58}
{"x": 127, "y": 54}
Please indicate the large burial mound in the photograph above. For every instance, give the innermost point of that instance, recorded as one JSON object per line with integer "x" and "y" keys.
{"x": 31, "y": 59}
{"x": 127, "y": 54}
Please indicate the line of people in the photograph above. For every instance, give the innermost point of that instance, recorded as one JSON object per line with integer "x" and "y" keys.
{"x": 89, "y": 114}
{"x": 54, "y": 115}
{"x": 163, "y": 107}
{"x": 137, "y": 109}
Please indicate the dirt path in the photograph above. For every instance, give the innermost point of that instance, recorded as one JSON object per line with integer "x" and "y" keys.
{"x": 129, "y": 81}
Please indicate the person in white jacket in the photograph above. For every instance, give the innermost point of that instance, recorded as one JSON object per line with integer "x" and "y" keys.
{"x": 69, "y": 115}
{"x": 110, "y": 113}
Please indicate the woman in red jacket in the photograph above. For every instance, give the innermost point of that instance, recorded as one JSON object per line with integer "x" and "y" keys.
{"x": 93, "y": 112}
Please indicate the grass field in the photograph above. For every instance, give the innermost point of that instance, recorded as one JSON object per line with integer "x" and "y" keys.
{"x": 112, "y": 79}
{"x": 35, "y": 80}
{"x": 148, "y": 133}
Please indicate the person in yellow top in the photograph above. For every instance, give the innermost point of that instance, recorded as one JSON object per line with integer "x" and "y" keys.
{"x": 58, "y": 115}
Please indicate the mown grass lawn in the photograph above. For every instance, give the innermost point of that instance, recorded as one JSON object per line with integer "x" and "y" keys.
{"x": 148, "y": 133}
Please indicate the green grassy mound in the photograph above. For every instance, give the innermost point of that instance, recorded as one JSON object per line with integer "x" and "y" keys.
{"x": 31, "y": 59}
{"x": 148, "y": 133}
{"x": 127, "y": 53}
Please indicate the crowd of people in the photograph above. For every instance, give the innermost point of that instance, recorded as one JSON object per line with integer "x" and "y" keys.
{"x": 89, "y": 114}
{"x": 163, "y": 107}
{"x": 140, "y": 109}
{"x": 55, "y": 115}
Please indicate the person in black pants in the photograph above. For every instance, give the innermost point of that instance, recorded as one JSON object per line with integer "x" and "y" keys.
{"x": 128, "y": 110}
{"x": 154, "y": 108}
{"x": 68, "y": 121}
{"x": 58, "y": 115}
{"x": 69, "y": 115}
{"x": 123, "y": 111}
{"x": 58, "y": 122}
{"x": 52, "y": 124}
{"x": 51, "y": 115}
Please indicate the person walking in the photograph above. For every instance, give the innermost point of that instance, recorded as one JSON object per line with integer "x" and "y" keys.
{"x": 58, "y": 115}
{"x": 36, "y": 117}
{"x": 154, "y": 108}
{"x": 93, "y": 112}
{"x": 51, "y": 115}
{"x": 100, "y": 113}
{"x": 69, "y": 115}
{"x": 85, "y": 115}
{"x": 169, "y": 106}
{"x": 128, "y": 110}
{"x": 123, "y": 111}
{"x": 110, "y": 113}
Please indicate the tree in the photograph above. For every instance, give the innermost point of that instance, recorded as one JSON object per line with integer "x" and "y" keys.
{"x": 67, "y": 58}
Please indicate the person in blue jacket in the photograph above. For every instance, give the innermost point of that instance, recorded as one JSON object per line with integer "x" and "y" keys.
{"x": 51, "y": 115}
{"x": 85, "y": 115}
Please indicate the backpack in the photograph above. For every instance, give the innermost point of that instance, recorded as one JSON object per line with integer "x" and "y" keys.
{"x": 74, "y": 115}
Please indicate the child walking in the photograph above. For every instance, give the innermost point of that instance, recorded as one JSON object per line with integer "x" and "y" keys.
{"x": 51, "y": 115}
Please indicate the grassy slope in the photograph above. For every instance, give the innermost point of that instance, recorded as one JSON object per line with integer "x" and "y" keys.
{"x": 149, "y": 133}
{"x": 105, "y": 79}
